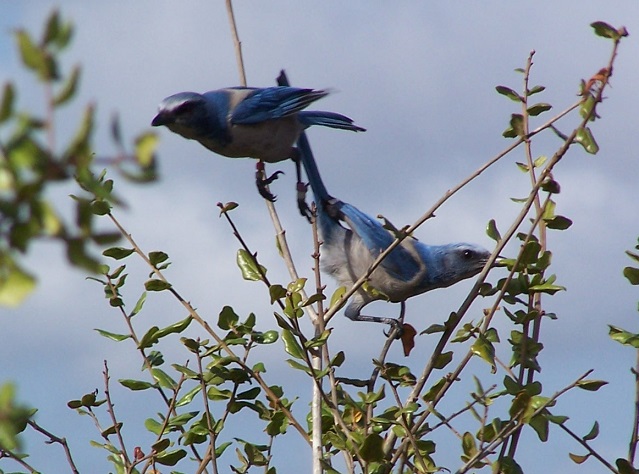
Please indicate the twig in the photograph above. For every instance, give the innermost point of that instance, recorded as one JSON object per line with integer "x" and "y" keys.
{"x": 585, "y": 444}
{"x": 237, "y": 42}
{"x": 514, "y": 425}
{"x": 431, "y": 212}
{"x": 111, "y": 411}
{"x": 53, "y": 439}
{"x": 169, "y": 402}
{"x": 634, "y": 439}
{"x": 195, "y": 315}
{"x": 19, "y": 460}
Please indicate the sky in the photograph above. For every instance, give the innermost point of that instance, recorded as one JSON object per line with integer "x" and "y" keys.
{"x": 421, "y": 77}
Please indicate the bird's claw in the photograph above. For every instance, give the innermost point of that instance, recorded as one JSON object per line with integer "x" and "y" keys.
{"x": 396, "y": 329}
{"x": 302, "y": 188}
{"x": 262, "y": 183}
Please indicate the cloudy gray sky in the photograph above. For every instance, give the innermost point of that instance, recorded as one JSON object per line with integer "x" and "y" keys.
{"x": 420, "y": 76}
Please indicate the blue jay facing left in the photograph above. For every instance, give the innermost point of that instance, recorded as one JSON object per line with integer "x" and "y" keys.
{"x": 240, "y": 122}
{"x": 410, "y": 269}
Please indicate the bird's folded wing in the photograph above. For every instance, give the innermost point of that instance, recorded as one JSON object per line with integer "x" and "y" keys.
{"x": 400, "y": 263}
{"x": 272, "y": 103}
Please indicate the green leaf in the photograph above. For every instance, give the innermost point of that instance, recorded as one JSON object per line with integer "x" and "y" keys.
{"x": 6, "y": 104}
{"x": 229, "y": 206}
{"x": 268, "y": 337}
{"x": 468, "y": 444}
{"x": 156, "y": 285}
{"x": 153, "y": 426}
{"x": 587, "y": 105}
{"x": 547, "y": 287}
{"x": 250, "y": 394}
{"x": 276, "y": 292}
{"x": 623, "y": 337}
{"x": 372, "y": 450}
{"x": 632, "y": 275}
{"x": 101, "y": 208}
{"x": 318, "y": 341}
{"x": 69, "y": 88}
{"x": 139, "y": 304}
{"x": 604, "y": 30}
{"x": 516, "y": 128}
{"x": 296, "y": 365}
{"x": 593, "y": 433}
{"x": 507, "y": 465}
{"x": 249, "y": 267}
{"x": 219, "y": 450}
{"x": 149, "y": 338}
{"x": 578, "y": 459}
{"x": 277, "y": 425}
{"x": 537, "y": 109}
{"x": 508, "y": 92}
{"x": 15, "y": 285}
{"x": 484, "y": 349}
{"x": 443, "y": 360}
{"x": 558, "y": 223}
{"x": 338, "y": 360}
{"x": 52, "y": 28}
{"x": 163, "y": 379}
{"x": 296, "y": 286}
{"x": 291, "y": 345}
{"x": 434, "y": 328}
{"x": 540, "y": 424}
{"x": 145, "y": 145}
{"x": 227, "y": 318}
{"x": 624, "y": 466}
{"x": 530, "y": 253}
{"x": 587, "y": 140}
{"x": 113, "y": 336}
{"x": 191, "y": 374}
{"x": 216, "y": 394}
{"x": 492, "y": 232}
{"x": 117, "y": 253}
{"x": 536, "y": 90}
{"x": 157, "y": 258}
{"x": 135, "y": 385}
{"x": 591, "y": 385}
{"x": 339, "y": 292}
{"x": 189, "y": 396}
{"x": 161, "y": 445}
{"x": 550, "y": 186}
{"x": 174, "y": 328}
{"x": 170, "y": 458}
{"x": 31, "y": 55}
{"x": 111, "y": 430}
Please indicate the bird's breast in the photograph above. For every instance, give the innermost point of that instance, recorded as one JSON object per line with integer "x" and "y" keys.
{"x": 270, "y": 141}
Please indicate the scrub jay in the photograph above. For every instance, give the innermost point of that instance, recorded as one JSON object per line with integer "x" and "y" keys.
{"x": 348, "y": 251}
{"x": 237, "y": 122}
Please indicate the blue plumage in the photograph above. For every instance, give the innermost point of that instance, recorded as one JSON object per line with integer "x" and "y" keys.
{"x": 261, "y": 123}
{"x": 410, "y": 269}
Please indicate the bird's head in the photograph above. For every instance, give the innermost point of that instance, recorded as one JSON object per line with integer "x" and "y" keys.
{"x": 460, "y": 261}
{"x": 182, "y": 113}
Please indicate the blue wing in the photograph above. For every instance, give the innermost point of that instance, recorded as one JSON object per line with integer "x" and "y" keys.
{"x": 273, "y": 102}
{"x": 400, "y": 263}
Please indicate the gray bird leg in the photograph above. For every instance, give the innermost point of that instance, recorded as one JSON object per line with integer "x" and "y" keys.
{"x": 394, "y": 323}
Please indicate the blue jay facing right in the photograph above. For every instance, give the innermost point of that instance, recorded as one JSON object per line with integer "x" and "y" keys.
{"x": 410, "y": 269}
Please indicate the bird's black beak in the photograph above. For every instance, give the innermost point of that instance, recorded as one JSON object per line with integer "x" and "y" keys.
{"x": 160, "y": 119}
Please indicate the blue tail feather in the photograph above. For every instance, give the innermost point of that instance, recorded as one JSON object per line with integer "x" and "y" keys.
{"x": 328, "y": 119}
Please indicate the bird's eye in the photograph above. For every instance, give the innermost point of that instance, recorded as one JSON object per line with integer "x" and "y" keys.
{"x": 185, "y": 108}
{"x": 468, "y": 254}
